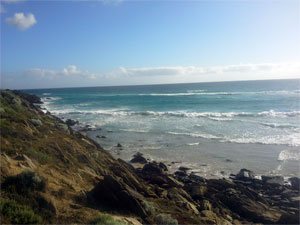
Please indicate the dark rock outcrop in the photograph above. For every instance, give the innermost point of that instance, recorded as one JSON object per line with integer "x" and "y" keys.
{"x": 245, "y": 174}
{"x": 138, "y": 158}
{"x": 295, "y": 183}
{"x": 71, "y": 122}
{"x": 112, "y": 192}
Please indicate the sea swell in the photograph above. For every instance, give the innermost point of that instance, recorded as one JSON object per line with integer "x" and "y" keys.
{"x": 211, "y": 115}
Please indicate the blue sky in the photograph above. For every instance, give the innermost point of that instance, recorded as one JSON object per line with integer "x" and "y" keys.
{"x": 95, "y": 43}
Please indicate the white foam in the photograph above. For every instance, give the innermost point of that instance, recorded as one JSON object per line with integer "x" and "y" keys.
{"x": 289, "y": 139}
{"x": 201, "y": 135}
{"x": 135, "y": 130}
{"x": 289, "y": 154}
{"x": 192, "y": 144}
{"x": 272, "y": 113}
{"x": 276, "y": 125}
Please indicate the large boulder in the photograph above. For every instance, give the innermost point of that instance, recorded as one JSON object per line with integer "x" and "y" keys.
{"x": 245, "y": 174}
{"x": 138, "y": 158}
{"x": 112, "y": 192}
{"x": 71, "y": 122}
{"x": 295, "y": 183}
{"x": 249, "y": 207}
{"x": 36, "y": 122}
{"x": 153, "y": 168}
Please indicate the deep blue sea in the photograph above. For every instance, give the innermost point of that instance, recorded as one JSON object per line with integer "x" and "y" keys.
{"x": 215, "y": 128}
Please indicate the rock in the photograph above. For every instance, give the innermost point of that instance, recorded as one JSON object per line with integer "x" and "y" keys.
{"x": 165, "y": 219}
{"x": 36, "y": 122}
{"x": 119, "y": 145}
{"x": 228, "y": 160}
{"x": 98, "y": 136}
{"x": 163, "y": 166}
{"x": 183, "y": 168}
{"x": 196, "y": 179}
{"x": 182, "y": 198}
{"x": 287, "y": 218}
{"x": 197, "y": 191}
{"x": 112, "y": 192}
{"x": 153, "y": 168}
{"x": 295, "y": 183}
{"x": 180, "y": 174}
{"x": 71, "y": 122}
{"x": 64, "y": 127}
{"x": 273, "y": 180}
{"x": 33, "y": 99}
{"x": 248, "y": 206}
{"x": 138, "y": 158}
{"x": 245, "y": 174}
{"x": 205, "y": 205}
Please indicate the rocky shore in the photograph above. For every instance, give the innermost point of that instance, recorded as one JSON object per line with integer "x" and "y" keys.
{"x": 61, "y": 176}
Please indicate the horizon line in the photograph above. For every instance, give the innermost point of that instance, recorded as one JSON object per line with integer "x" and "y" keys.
{"x": 155, "y": 84}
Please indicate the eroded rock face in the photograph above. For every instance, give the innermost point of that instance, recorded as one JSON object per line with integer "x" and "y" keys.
{"x": 113, "y": 192}
{"x": 249, "y": 208}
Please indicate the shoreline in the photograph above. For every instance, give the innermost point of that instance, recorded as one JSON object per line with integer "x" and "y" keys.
{"x": 98, "y": 135}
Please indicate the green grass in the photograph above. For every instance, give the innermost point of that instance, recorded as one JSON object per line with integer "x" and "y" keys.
{"x": 15, "y": 213}
{"x": 38, "y": 155}
{"x": 104, "y": 219}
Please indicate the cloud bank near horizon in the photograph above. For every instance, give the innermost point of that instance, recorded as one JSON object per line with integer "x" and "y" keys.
{"x": 68, "y": 71}
{"x": 73, "y": 75}
{"x": 194, "y": 70}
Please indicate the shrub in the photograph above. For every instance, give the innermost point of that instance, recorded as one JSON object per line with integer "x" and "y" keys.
{"x": 40, "y": 156}
{"x": 14, "y": 213}
{"x": 24, "y": 183}
{"x": 165, "y": 219}
{"x": 105, "y": 219}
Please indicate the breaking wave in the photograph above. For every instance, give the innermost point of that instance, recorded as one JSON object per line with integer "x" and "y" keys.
{"x": 211, "y": 115}
{"x": 289, "y": 154}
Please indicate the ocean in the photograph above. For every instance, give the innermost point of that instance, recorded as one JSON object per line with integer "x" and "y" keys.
{"x": 213, "y": 128}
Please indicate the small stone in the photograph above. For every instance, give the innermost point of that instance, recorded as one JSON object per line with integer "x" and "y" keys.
{"x": 36, "y": 122}
{"x": 119, "y": 145}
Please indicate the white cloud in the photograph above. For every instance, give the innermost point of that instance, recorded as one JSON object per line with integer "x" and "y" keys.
{"x": 22, "y": 21}
{"x": 194, "y": 70}
{"x": 69, "y": 71}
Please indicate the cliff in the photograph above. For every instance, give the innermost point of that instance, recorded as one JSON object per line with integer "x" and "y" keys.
{"x": 52, "y": 174}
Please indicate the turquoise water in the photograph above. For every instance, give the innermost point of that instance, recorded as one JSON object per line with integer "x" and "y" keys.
{"x": 248, "y": 120}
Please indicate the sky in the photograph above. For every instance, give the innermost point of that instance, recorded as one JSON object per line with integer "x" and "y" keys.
{"x": 48, "y": 44}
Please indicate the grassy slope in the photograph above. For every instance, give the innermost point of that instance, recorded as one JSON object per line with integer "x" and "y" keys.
{"x": 70, "y": 163}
